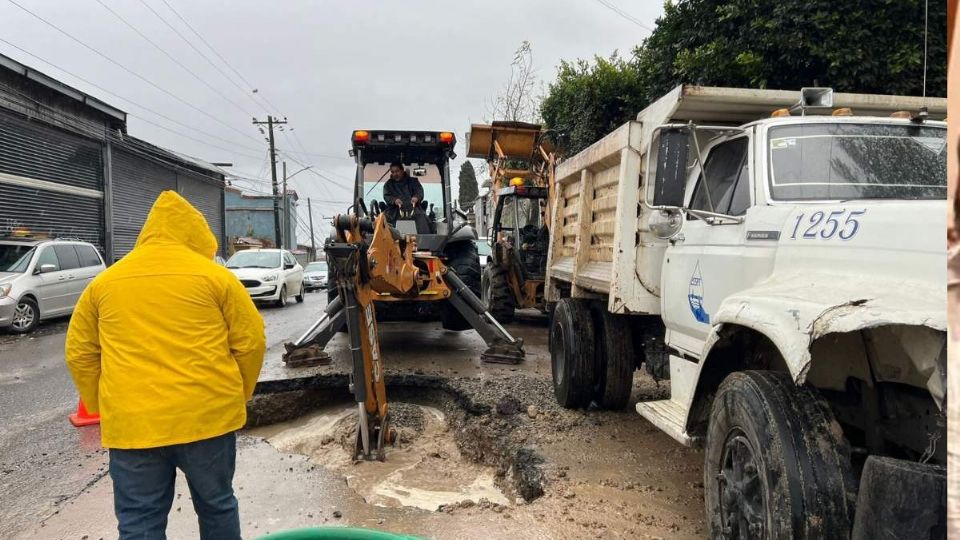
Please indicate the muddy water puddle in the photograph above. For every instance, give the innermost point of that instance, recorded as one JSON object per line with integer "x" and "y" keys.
{"x": 425, "y": 470}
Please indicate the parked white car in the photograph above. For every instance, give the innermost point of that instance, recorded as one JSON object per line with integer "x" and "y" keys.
{"x": 269, "y": 275}
{"x": 315, "y": 276}
{"x": 41, "y": 279}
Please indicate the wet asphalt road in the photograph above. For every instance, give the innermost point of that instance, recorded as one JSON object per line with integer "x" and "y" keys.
{"x": 43, "y": 459}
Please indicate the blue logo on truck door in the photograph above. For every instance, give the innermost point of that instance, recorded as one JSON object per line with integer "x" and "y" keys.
{"x": 695, "y": 296}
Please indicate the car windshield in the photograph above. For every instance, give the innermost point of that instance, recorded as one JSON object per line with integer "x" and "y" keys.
{"x": 316, "y": 267}
{"x": 15, "y": 258}
{"x": 254, "y": 259}
{"x": 858, "y": 161}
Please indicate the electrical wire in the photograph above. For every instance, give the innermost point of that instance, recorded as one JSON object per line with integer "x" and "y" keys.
{"x": 625, "y": 15}
{"x": 138, "y": 105}
{"x": 127, "y": 69}
{"x": 170, "y": 56}
{"x": 252, "y": 88}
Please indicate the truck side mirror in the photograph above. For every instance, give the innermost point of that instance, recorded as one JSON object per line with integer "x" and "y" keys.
{"x": 671, "y": 176}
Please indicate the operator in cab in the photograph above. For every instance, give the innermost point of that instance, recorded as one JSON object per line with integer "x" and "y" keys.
{"x": 403, "y": 195}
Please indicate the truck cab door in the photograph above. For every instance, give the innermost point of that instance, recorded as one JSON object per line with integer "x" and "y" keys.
{"x": 707, "y": 260}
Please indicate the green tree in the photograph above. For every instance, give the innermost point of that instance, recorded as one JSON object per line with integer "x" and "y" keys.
{"x": 468, "y": 185}
{"x": 868, "y": 46}
{"x": 590, "y": 99}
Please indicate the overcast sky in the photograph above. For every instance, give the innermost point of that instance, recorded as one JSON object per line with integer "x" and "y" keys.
{"x": 329, "y": 67}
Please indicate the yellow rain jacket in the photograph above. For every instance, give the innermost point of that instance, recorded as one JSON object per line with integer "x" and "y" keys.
{"x": 166, "y": 344}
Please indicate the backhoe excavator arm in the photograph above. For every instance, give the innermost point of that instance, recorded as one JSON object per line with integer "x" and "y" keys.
{"x": 360, "y": 270}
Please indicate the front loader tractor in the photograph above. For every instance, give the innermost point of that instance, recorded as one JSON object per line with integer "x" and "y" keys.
{"x": 521, "y": 164}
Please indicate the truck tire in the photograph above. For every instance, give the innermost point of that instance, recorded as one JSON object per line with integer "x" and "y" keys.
{"x": 614, "y": 359}
{"x": 572, "y": 358}
{"x": 496, "y": 293}
{"x": 776, "y": 464}
{"x": 462, "y": 258}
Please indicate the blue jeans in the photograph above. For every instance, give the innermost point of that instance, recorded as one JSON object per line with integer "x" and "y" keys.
{"x": 143, "y": 486}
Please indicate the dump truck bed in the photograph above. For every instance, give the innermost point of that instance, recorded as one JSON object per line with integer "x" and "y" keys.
{"x": 601, "y": 244}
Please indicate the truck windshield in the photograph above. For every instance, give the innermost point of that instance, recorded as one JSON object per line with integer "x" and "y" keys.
{"x": 857, "y": 161}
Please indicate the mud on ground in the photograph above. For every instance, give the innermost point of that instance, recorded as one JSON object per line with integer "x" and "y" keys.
{"x": 499, "y": 450}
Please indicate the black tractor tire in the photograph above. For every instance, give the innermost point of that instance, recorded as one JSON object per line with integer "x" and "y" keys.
{"x": 496, "y": 293}
{"x": 462, "y": 258}
{"x": 614, "y": 359}
{"x": 776, "y": 464}
{"x": 572, "y": 349}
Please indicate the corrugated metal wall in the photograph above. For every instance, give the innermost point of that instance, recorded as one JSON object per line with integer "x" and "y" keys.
{"x": 208, "y": 199}
{"x": 31, "y": 151}
{"x": 137, "y": 182}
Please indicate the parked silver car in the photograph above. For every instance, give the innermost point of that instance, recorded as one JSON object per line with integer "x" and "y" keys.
{"x": 315, "y": 276}
{"x": 40, "y": 279}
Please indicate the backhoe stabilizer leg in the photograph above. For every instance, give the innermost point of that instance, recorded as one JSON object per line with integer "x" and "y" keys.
{"x": 502, "y": 348}
{"x": 308, "y": 349}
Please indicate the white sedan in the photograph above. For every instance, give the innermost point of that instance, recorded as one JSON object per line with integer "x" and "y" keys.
{"x": 269, "y": 275}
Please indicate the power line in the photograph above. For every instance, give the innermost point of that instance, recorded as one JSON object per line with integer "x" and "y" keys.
{"x": 625, "y": 15}
{"x": 194, "y": 47}
{"x": 170, "y": 56}
{"x": 138, "y": 105}
{"x": 251, "y": 87}
{"x": 128, "y": 70}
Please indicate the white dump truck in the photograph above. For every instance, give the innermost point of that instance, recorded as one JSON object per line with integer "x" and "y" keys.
{"x": 780, "y": 258}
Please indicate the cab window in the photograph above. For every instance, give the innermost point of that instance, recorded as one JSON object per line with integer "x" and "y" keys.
{"x": 48, "y": 256}
{"x": 727, "y": 180}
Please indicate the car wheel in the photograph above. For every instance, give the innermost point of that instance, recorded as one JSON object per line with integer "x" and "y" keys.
{"x": 299, "y": 297}
{"x": 26, "y": 316}
{"x": 282, "y": 299}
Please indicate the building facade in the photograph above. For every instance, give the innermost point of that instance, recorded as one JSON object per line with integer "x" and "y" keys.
{"x": 68, "y": 167}
{"x": 251, "y": 216}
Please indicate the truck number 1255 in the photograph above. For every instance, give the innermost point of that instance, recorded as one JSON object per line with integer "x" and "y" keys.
{"x": 842, "y": 223}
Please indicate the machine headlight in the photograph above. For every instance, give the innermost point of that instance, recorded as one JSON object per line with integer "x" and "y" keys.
{"x": 5, "y": 289}
{"x": 269, "y": 277}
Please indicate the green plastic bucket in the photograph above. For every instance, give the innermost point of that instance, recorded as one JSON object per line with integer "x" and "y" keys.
{"x": 335, "y": 533}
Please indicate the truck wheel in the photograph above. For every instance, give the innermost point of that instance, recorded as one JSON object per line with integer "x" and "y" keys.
{"x": 572, "y": 353}
{"x": 614, "y": 361}
{"x": 497, "y": 295}
{"x": 462, "y": 258}
{"x": 776, "y": 464}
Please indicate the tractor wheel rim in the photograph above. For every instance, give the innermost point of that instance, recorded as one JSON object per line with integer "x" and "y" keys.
{"x": 742, "y": 508}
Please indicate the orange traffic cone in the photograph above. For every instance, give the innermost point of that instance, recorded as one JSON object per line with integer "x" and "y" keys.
{"x": 82, "y": 417}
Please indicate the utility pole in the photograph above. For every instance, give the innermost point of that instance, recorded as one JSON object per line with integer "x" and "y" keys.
{"x": 286, "y": 210}
{"x": 313, "y": 243}
{"x": 271, "y": 121}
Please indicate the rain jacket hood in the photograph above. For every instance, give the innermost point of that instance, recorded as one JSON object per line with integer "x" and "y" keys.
{"x": 173, "y": 220}
{"x": 166, "y": 344}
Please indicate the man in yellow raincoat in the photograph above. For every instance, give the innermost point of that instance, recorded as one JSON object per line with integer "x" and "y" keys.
{"x": 167, "y": 346}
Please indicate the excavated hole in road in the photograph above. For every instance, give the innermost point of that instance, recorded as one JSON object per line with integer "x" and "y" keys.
{"x": 451, "y": 452}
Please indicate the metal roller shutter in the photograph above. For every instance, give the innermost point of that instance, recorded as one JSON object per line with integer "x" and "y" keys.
{"x": 35, "y": 151}
{"x": 208, "y": 199}
{"x": 33, "y": 155}
{"x": 137, "y": 182}
{"x": 58, "y": 215}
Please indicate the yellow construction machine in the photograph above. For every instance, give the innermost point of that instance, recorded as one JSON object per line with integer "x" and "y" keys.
{"x": 521, "y": 163}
